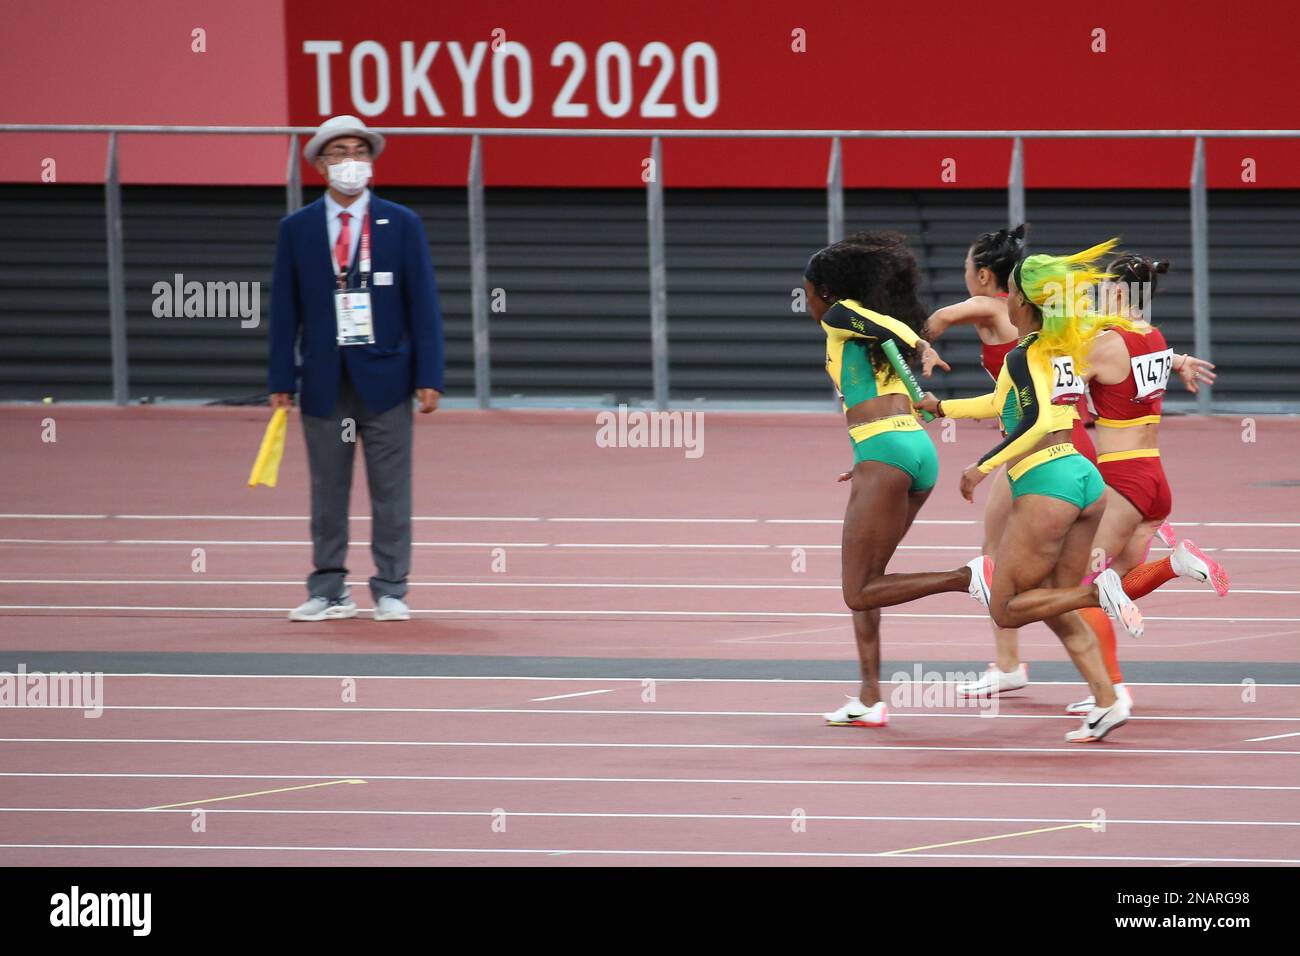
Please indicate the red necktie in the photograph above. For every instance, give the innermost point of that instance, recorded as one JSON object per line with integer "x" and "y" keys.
{"x": 343, "y": 245}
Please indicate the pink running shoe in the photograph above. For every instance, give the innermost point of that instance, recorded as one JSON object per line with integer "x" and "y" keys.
{"x": 1189, "y": 561}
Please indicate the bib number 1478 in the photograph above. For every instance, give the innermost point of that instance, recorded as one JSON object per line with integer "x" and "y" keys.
{"x": 1151, "y": 374}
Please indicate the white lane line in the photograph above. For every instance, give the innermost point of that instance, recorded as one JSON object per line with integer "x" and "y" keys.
{"x": 618, "y": 545}
{"x": 575, "y": 519}
{"x": 1236, "y": 685}
{"x": 592, "y": 814}
{"x": 579, "y": 585}
{"x": 1255, "y": 740}
{"x": 825, "y": 854}
{"x": 226, "y": 517}
{"x": 58, "y": 517}
{"x": 621, "y": 612}
{"x": 623, "y": 745}
{"x": 575, "y": 585}
{"x": 236, "y": 708}
{"x": 1256, "y": 550}
{"x": 442, "y": 778}
{"x": 605, "y": 545}
{"x": 301, "y": 543}
{"x": 1249, "y": 524}
{"x": 581, "y": 693}
{"x": 656, "y": 520}
{"x": 56, "y": 541}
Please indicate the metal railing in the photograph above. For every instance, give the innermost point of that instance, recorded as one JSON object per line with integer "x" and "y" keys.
{"x": 654, "y": 213}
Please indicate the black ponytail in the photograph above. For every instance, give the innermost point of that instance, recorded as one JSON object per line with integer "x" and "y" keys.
{"x": 1140, "y": 274}
{"x": 999, "y": 252}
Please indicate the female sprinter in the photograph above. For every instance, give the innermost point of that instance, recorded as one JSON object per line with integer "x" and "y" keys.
{"x": 1057, "y": 494}
{"x": 988, "y": 266}
{"x": 862, "y": 291}
{"x": 1127, "y": 374}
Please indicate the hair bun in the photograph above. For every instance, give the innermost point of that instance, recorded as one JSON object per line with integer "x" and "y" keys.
{"x": 1160, "y": 266}
{"x": 1018, "y": 232}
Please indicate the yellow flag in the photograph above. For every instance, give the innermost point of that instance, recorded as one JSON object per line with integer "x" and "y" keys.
{"x": 266, "y": 469}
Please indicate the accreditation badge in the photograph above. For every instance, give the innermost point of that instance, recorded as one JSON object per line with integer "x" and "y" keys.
{"x": 353, "y": 316}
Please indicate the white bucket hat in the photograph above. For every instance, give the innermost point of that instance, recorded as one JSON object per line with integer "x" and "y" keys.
{"x": 337, "y": 126}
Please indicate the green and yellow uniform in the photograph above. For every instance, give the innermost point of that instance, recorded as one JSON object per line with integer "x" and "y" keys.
{"x": 898, "y": 441}
{"x": 1036, "y": 394}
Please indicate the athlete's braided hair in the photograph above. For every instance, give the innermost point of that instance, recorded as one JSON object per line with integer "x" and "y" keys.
{"x": 1062, "y": 290}
{"x": 1139, "y": 275}
{"x": 999, "y": 252}
{"x": 876, "y": 269}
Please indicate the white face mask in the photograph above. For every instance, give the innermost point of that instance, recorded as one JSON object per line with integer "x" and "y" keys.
{"x": 350, "y": 176}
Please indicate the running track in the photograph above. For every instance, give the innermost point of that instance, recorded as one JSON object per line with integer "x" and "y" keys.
{"x": 618, "y": 658}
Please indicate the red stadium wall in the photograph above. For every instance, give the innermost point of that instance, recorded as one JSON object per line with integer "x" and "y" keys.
{"x": 723, "y": 65}
{"x": 131, "y": 61}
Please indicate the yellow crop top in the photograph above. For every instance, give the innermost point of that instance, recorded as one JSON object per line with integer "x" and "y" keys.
{"x": 849, "y": 327}
{"x": 1036, "y": 394}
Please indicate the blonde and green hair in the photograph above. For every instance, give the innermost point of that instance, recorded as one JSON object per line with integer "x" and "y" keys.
{"x": 1064, "y": 290}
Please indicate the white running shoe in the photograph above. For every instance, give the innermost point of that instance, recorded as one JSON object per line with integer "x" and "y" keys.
{"x": 981, "y": 576}
{"x": 1099, "y": 723}
{"x": 1189, "y": 561}
{"x": 854, "y": 713}
{"x": 1118, "y": 605}
{"x": 324, "y": 609}
{"x": 996, "y": 681}
{"x": 1089, "y": 702}
{"x": 1167, "y": 534}
{"x": 389, "y": 608}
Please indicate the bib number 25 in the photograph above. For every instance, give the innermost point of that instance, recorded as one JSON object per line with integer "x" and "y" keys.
{"x": 1067, "y": 385}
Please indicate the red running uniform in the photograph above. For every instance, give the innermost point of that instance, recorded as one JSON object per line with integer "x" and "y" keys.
{"x": 992, "y": 356}
{"x": 1137, "y": 474}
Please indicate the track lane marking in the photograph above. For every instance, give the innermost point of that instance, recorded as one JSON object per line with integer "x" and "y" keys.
{"x": 593, "y": 814}
{"x": 582, "y": 612}
{"x": 647, "y": 712}
{"x": 603, "y": 852}
{"x": 542, "y": 710}
{"x": 242, "y": 796}
{"x": 1000, "y": 836}
{"x": 676, "y": 781}
{"x": 625, "y": 745}
{"x": 661, "y": 680}
{"x": 575, "y": 585}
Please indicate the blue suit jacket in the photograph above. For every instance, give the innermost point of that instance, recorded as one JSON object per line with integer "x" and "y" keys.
{"x": 408, "y": 349}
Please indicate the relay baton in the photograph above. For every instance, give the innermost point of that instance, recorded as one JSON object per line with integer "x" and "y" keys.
{"x": 905, "y": 373}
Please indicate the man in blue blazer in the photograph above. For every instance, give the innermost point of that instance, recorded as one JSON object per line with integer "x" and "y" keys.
{"x": 353, "y": 294}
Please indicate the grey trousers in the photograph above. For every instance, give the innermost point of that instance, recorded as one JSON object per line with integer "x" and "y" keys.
{"x": 386, "y": 439}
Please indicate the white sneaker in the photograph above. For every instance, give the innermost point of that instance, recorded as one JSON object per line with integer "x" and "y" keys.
{"x": 1117, "y": 605}
{"x": 1089, "y": 702}
{"x": 390, "y": 608}
{"x": 1189, "y": 561}
{"x": 857, "y": 714}
{"x": 1099, "y": 723}
{"x": 981, "y": 574}
{"x": 996, "y": 681}
{"x": 324, "y": 609}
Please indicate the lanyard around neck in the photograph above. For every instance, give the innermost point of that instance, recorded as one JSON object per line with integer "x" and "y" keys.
{"x": 363, "y": 258}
